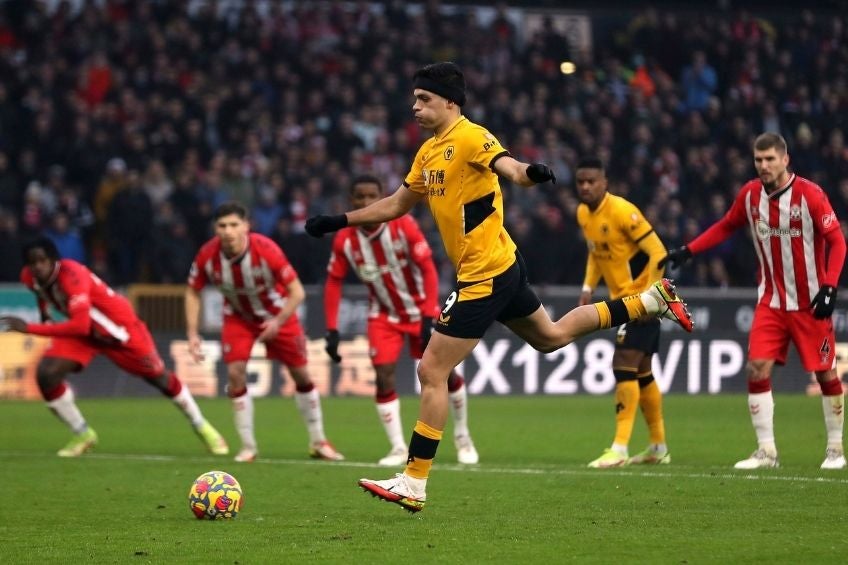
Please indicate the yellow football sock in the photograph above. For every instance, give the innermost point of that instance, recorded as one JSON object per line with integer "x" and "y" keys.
{"x": 613, "y": 313}
{"x": 626, "y": 401}
{"x": 650, "y": 401}
{"x": 635, "y": 307}
{"x": 422, "y": 450}
{"x": 604, "y": 316}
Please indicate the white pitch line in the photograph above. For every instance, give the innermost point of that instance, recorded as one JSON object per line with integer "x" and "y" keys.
{"x": 721, "y": 475}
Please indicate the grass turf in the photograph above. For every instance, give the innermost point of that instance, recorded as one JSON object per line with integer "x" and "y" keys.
{"x": 531, "y": 499}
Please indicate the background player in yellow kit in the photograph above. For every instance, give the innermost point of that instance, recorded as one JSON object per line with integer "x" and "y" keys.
{"x": 624, "y": 251}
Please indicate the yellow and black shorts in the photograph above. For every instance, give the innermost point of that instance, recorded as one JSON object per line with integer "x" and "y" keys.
{"x": 640, "y": 335}
{"x": 473, "y": 306}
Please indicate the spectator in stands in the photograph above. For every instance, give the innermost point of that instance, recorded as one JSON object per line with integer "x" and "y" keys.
{"x": 10, "y": 195}
{"x": 67, "y": 240}
{"x": 268, "y": 209}
{"x": 130, "y": 222}
{"x": 113, "y": 182}
{"x": 173, "y": 252}
{"x": 11, "y": 245}
{"x": 699, "y": 82}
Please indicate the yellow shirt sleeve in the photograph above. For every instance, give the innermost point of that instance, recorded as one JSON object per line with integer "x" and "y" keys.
{"x": 593, "y": 273}
{"x": 415, "y": 177}
{"x": 654, "y": 248}
{"x": 483, "y": 147}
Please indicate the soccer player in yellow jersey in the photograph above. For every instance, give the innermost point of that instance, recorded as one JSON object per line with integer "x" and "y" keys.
{"x": 456, "y": 172}
{"x": 624, "y": 251}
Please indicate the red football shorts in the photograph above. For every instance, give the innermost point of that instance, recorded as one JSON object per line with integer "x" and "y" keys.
{"x": 238, "y": 337}
{"x": 138, "y": 356}
{"x": 386, "y": 339}
{"x": 773, "y": 329}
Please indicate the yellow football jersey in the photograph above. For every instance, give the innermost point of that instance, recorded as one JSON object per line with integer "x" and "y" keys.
{"x": 624, "y": 250}
{"x": 454, "y": 170}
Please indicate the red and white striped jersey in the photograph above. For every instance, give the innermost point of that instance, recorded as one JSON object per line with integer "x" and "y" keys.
{"x": 253, "y": 284}
{"x": 92, "y": 308}
{"x": 391, "y": 261}
{"x": 788, "y": 228}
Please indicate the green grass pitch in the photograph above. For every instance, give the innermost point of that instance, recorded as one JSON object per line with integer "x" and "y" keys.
{"x": 530, "y": 500}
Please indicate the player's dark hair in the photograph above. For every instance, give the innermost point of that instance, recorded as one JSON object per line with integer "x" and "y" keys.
{"x": 45, "y": 244}
{"x": 591, "y": 163}
{"x": 231, "y": 207}
{"x": 768, "y": 140}
{"x": 444, "y": 78}
{"x": 366, "y": 178}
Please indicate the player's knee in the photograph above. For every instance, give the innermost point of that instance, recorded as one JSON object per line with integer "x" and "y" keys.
{"x": 236, "y": 376}
{"x": 541, "y": 342}
{"x": 550, "y": 341}
{"x": 758, "y": 370}
{"x": 546, "y": 348}
{"x": 48, "y": 376}
{"x": 385, "y": 384}
{"x": 430, "y": 376}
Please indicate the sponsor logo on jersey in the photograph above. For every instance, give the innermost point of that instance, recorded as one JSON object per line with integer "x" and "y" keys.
{"x": 828, "y": 220}
{"x": 764, "y": 231}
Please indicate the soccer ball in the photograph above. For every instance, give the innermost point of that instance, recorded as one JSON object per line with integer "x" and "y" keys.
{"x": 215, "y": 495}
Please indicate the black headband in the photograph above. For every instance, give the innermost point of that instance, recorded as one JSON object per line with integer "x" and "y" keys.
{"x": 448, "y": 91}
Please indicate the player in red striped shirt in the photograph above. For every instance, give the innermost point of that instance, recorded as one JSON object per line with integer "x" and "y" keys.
{"x": 98, "y": 321}
{"x": 801, "y": 251}
{"x": 261, "y": 294}
{"x": 396, "y": 264}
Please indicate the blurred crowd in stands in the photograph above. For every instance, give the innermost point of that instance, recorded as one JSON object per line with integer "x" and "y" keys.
{"x": 124, "y": 124}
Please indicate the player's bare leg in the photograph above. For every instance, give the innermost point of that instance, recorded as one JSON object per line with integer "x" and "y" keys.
{"x": 543, "y": 334}
{"x": 309, "y": 405}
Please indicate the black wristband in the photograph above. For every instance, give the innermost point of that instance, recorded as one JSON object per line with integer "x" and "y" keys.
{"x": 539, "y": 173}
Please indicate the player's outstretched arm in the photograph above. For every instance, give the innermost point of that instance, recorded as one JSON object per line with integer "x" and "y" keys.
{"x": 383, "y": 210}
{"x": 192, "y": 314}
{"x": 523, "y": 174}
{"x": 12, "y": 324}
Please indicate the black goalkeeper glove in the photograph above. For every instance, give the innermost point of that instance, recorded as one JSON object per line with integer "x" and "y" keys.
{"x": 317, "y": 226}
{"x": 332, "y": 347}
{"x": 823, "y": 302}
{"x": 539, "y": 173}
{"x": 426, "y": 332}
{"x": 676, "y": 257}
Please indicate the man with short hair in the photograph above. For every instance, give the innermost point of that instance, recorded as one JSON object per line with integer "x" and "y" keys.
{"x": 801, "y": 252}
{"x": 396, "y": 264}
{"x": 261, "y": 295}
{"x": 456, "y": 172}
{"x": 99, "y": 322}
{"x": 624, "y": 251}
